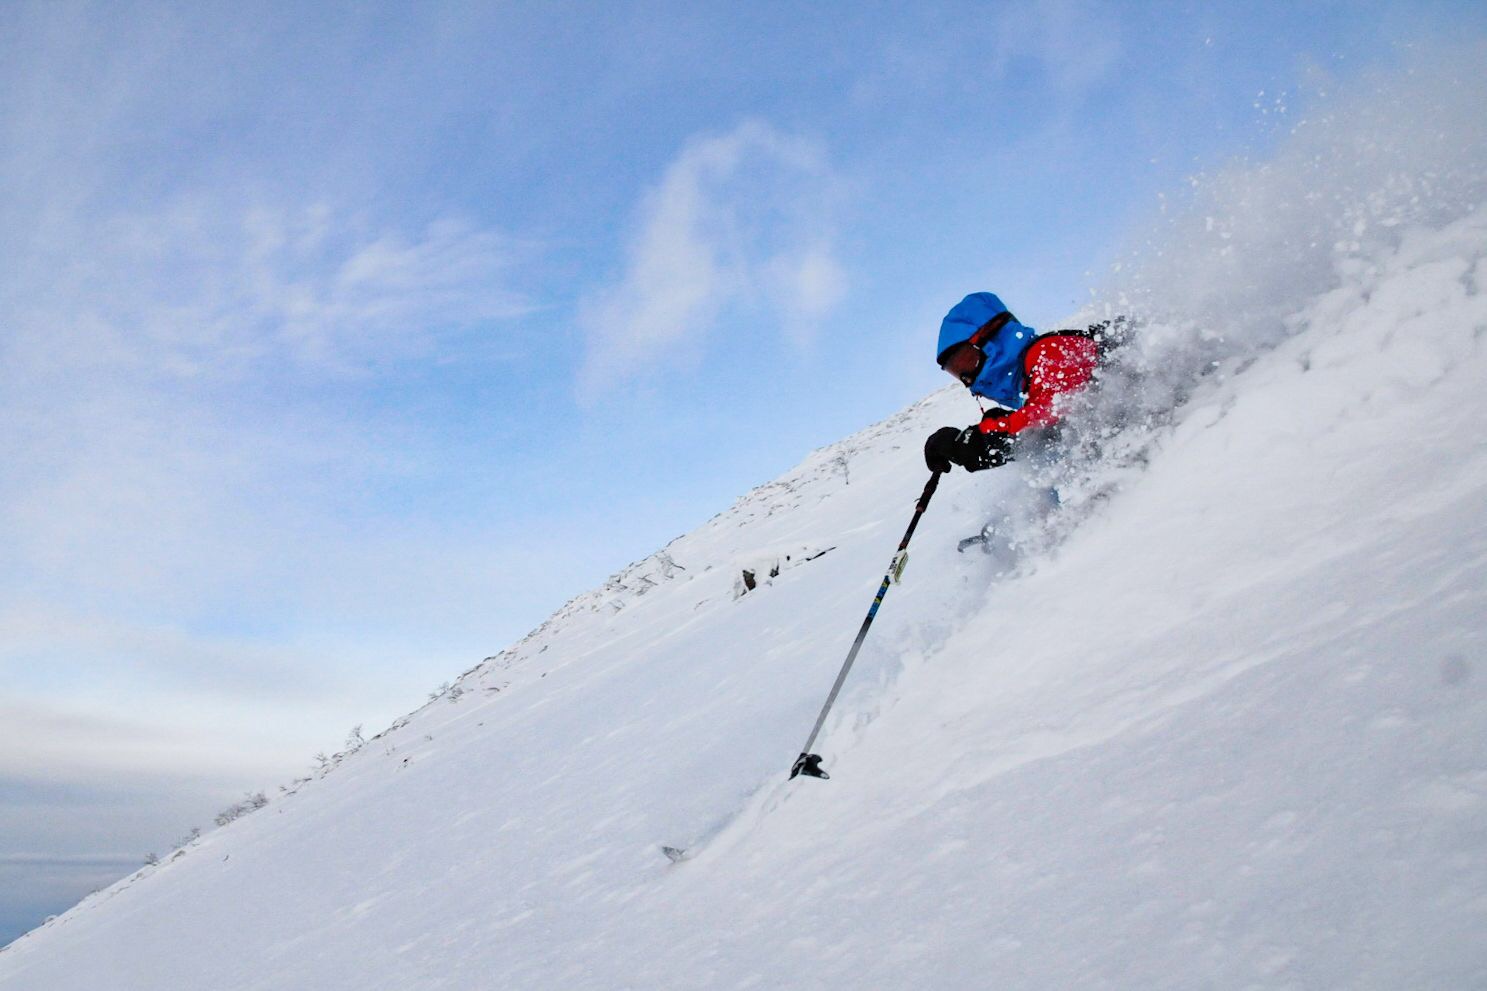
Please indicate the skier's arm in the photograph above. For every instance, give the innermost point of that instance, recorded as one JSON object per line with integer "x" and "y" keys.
{"x": 1056, "y": 364}
{"x": 1009, "y": 423}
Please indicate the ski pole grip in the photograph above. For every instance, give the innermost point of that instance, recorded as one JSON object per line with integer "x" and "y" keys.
{"x": 929, "y": 490}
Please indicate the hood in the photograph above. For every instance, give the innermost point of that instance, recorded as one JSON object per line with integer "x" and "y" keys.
{"x": 1001, "y": 378}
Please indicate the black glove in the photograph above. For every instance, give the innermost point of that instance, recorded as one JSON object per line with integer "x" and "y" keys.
{"x": 941, "y": 448}
{"x": 970, "y": 448}
{"x": 985, "y": 449}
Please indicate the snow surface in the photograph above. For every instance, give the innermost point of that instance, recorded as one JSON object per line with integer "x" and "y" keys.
{"x": 1217, "y": 720}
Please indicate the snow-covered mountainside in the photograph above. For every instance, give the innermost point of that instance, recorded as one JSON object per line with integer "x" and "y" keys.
{"x": 1216, "y": 719}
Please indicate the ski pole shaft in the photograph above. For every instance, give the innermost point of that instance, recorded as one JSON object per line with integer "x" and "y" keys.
{"x": 808, "y": 763}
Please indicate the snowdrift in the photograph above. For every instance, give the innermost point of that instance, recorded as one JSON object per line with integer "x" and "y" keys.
{"x": 1213, "y": 717}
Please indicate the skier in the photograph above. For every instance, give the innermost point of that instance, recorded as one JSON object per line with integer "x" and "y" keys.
{"x": 1022, "y": 372}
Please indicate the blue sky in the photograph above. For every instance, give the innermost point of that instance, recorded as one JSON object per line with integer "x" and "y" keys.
{"x": 339, "y": 346}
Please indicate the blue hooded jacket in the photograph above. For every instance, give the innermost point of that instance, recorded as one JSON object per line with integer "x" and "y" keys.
{"x": 1001, "y": 378}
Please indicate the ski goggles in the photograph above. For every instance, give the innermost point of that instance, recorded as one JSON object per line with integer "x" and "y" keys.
{"x": 964, "y": 361}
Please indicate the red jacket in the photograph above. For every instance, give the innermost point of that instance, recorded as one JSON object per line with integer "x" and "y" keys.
{"x": 1055, "y": 364}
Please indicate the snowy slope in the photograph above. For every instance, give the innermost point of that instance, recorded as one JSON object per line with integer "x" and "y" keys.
{"x": 1216, "y": 722}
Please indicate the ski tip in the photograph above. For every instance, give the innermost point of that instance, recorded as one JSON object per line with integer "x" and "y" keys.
{"x": 675, "y": 854}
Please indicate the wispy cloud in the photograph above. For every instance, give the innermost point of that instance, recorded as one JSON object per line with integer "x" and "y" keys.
{"x": 85, "y": 744}
{"x": 112, "y": 861}
{"x": 203, "y": 287}
{"x": 67, "y": 643}
{"x": 743, "y": 219}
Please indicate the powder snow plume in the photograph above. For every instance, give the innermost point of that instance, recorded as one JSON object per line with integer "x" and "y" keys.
{"x": 1223, "y": 271}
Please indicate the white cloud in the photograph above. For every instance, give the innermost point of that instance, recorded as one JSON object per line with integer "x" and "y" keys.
{"x": 741, "y": 219}
{"x": 109, "y": 860}
{"x": 79, "y": 745}
{"x": 204, "y": 287}
{"x": 63, "y": 643}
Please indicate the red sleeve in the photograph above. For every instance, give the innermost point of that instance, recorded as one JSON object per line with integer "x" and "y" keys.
{"x": 1055, "y": 365}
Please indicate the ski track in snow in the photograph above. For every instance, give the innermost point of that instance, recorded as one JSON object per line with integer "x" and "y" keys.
{"x": 1218, "y": 722}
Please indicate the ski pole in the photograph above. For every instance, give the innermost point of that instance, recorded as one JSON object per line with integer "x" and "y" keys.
{"x": 808, "y": 763}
